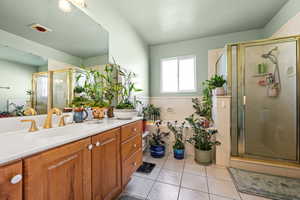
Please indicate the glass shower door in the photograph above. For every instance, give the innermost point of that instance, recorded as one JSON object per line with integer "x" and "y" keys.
{"x": 40, "y": 94}
{"x": 268, "y": 100}
{"x": 62, "y": 88}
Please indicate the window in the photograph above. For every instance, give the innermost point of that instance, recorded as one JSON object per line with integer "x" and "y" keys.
{"x": 178, "y": 74}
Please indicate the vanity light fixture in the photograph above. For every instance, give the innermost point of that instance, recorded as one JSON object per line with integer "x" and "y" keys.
{"x": 66, "y": 5}
{"x": 79, "y": 3}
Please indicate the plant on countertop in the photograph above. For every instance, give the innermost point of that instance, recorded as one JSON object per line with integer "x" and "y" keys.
{"x": 150, "y": 112}
{"x": 126, "y": 91}
{"x": 178, "y": 146}
{"x": 111, "y": 86}
{"x": 157, "y": 144}
{"x": 91, "y": 91}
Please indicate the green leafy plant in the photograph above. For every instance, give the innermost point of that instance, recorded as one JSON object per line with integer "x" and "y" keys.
{"x": 202, "y": 138}
{"x": 156, "y": 138}
{"x": 78, "y": 89}
{"x": 150, "y": 112}
{"x": 126, "y": 90}
{"x": 111, "y": 86}
{"x": 202, "y": 108}
{"x": 217, "y": 81}
{"x": 177, "y": 130}
{"x": 92, "y": 88}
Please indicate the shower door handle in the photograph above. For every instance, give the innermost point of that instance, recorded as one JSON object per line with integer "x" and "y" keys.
{"x": 244, "y": 100}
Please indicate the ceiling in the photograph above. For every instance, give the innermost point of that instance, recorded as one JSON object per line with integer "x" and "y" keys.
{"x": 74, "y": 33}
{"x": 163, "y": 21}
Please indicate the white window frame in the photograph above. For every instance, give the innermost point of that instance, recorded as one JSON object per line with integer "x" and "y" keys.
{"x": 178, "y": 90}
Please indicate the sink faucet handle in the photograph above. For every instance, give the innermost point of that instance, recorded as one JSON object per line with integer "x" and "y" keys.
{"x": 33, "y": 126}
{"x": 62, "y": 120}
{"x": 30, "y": 111}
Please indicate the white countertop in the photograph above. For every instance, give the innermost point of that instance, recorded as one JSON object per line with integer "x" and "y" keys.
{"x": 20, "y": 144}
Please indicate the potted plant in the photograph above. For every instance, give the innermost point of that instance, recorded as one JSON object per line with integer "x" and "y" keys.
{"x": 203, "y": 109}
{"x": 125, "y": 108}
{"x": 150, "y": 113}
{"x": 90, "y": 92}
{"x": 111, "y": 86}
{"x": 202, "y": 140}
{"x": 218, "y": 82}
{"x": 178, "y": 147}
{"x": 157, "y": 144}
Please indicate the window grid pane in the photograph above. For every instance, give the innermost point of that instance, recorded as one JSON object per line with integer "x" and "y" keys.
{"x": 187, "y": 74}
{"x": 169, "y": 75}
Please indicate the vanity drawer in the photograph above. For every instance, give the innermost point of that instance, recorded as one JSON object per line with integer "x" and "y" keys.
{"x": 131, "y": 165}
{"x": 130, "y": 130}
{"x": 131, "y": 146}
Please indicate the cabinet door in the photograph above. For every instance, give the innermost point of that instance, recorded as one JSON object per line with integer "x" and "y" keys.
{"x": 106, "y": 170}
{"x": 11, "y": 182}
{"x": 63, "y": 173}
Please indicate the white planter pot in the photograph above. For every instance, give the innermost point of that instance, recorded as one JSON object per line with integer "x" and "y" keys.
{"x": 125, "y": 113}
{"x": 219, "y": 91}
{"x": 203, "y": 157}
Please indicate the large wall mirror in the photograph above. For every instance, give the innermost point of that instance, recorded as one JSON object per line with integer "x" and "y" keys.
{"x": 41, "y": 50}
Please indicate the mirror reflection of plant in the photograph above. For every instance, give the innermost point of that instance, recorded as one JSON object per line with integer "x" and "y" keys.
{"x": 126, "y": 90}
{"x": 202, "y": 138}
{"x": 18, "y": 109}
{"x": 156, "y": 138}
{"x": 177, "y": 130}
{"x": 92, "y": 88}
{"x": 150, "y": 112}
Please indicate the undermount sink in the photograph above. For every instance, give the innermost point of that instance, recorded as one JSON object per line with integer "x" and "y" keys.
{"x": 94, "y": 122}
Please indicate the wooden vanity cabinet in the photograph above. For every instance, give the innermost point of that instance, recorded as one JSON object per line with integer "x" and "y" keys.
{"x": 11, "y": 181}
{"x": 95, "y": 168}
{"x": 131, "y": 149}
{"x": 59, "y": 174}
{"x": 106, "y": 165}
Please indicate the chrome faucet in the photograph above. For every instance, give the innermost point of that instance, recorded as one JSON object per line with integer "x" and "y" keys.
{"x": 48, "y": 121}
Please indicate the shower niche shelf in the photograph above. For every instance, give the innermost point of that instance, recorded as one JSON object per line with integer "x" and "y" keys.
{"x": 261, "y": 75}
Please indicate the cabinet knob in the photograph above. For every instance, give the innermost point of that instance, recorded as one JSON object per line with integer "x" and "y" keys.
{"x": 16, "y": 179}
{"x": 90, "y": 147}
{"x": 98, "y": 144}
{"x": 134, "y": 145}
{"x": 134, "y": 164}
{"x": 134, "y": 129}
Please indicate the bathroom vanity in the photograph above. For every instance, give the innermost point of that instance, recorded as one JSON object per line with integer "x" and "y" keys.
{"x": 86, "y": 161}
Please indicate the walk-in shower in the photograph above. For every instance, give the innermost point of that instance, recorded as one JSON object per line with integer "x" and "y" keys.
{"x": 263, "y": 80}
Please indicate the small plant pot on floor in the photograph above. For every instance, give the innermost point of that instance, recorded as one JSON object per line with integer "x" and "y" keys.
{"x": 157, "y": 151}
{"x": 203, "y": 157}
{"x": 178, "y": 154}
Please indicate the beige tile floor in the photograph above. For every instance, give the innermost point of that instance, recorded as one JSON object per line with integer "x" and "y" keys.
{"x": 184, "y": 180}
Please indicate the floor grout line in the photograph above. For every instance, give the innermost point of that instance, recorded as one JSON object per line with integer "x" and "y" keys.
{"x": 155, "y": 180}
{"x": 180, "y": 184}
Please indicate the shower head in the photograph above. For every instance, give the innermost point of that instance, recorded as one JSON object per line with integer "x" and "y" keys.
{"x": 269, "y": 54}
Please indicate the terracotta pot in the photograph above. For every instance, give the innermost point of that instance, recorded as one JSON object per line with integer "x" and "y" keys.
{"x": 110, "y": 112}
{"x": 98, "y": 112}
{"x": 203, "y": 157}
{"x": 206, "y": 123}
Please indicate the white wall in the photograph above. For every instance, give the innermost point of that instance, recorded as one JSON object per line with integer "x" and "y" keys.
{"x": 18, "y": 77}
